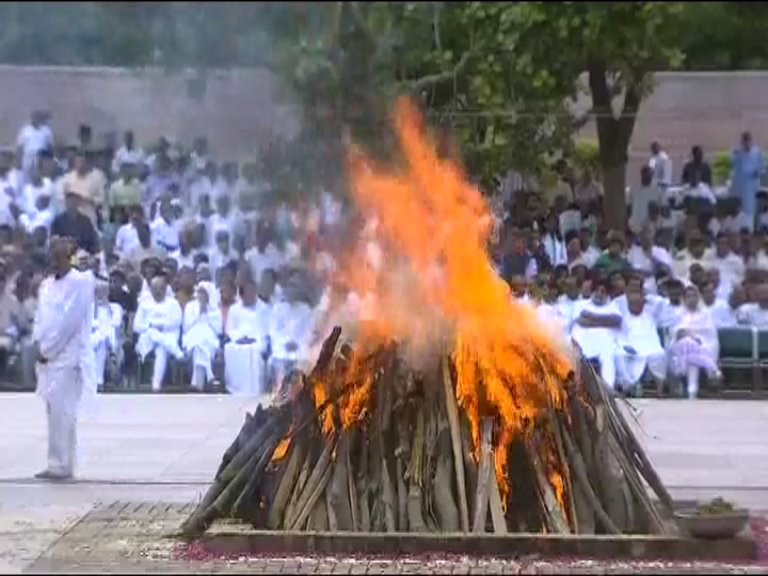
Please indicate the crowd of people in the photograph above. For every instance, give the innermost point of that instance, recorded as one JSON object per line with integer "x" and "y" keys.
{"x": 202, "y": 273}
{"x": 645, "y": 301}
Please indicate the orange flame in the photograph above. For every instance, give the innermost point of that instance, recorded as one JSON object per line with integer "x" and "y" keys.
{"x": 425, "y": 279}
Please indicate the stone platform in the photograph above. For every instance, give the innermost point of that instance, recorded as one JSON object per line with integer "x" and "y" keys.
{"x": 165, "y": 449}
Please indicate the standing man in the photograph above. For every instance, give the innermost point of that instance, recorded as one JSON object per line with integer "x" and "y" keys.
{"x": 746, "y": 166}
{"x": 661, "y": 164}
{"x": 61, "y": 340}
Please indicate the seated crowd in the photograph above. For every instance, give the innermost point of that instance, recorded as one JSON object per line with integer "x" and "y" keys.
{"x": 648, "y": 301}
{"x": 208, "y": 282}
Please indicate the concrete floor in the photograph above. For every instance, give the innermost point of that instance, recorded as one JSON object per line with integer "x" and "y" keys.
{"x": 167, "y": 448}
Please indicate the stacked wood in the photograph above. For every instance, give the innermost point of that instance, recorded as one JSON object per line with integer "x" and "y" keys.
{"x": 366, "y": 444}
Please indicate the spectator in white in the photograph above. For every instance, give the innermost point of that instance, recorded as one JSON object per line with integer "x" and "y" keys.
{"x": 589, "y": 253}
{"x": 127, "y": 237}
{"x": 225, "y": 218}
{"x": 221, "y": 254}
{"x": 290, "y": 331}
{"x": 746, "y": 169}
{"x": 8, "y": 191}
{"x": 697, "y": 168}
{"x": 64, "y": 356}
{"x": 757, "y": 312}
{"x": 247, "y": 332}
{"x": 227, "y": 183}
{"x": 202, "y": 330}
{"x": 641, "y": 198}
{"x": 596, "y": 330}
{"x": 694, "y": 345}
{"x": 695, "y": 253}
{"x": 649, "y": 259}
{"x": 88, "y": 183}
{"x": 127, "y": 153}
{"x": 165, "y": 230}
{"x": 41, "y": 215}
{"x": 107, "y": 318}
{"x": 36, "y": 186}
{"x": 185, "y": 255}
{"x": 157, "y": 323}
{"x": 568, "y": 302}
{"x": 573, "y": 255}
{"x": 698, "y": 189}
{"x": 33, "y": 138}
{"x": 264, "y": 254}
{"x": 552, "y": 241}
{"x": 201, "y": 185}
{"x": 730, "y": 265}
{"x": 718, "y": 308}
{"x": 661, "y": 164}
{"x": 639, "y": 344}
{"x": 199, "y": 155}
{"x": 588, "y": 190}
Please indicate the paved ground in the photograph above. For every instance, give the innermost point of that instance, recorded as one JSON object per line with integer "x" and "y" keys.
{"x": 164, "y": 449}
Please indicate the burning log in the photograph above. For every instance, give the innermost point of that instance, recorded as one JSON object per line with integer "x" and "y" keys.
{"x": 368, "y": 445}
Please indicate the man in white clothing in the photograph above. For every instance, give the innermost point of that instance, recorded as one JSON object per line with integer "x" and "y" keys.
{"x": 247, "y": 332}
{"x": 33, "y": 138}
{"x": 661, "y": 165}
{"x": 158, "y": 324}
{"x": 61, "y": 340}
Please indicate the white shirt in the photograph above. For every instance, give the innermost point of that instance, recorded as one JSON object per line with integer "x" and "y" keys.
{"x": 756, "y": 316}
{"x": 32, "y": 140}
{"x": 661, "y": 165}
{"x": 123, "y": 156}
{"x": 260, "y": 261}
{"x": 731, "y": 269}
{"x": 31, "y": 193}
{"x": 126, "y": 239}
{"x": 165, "y": 234}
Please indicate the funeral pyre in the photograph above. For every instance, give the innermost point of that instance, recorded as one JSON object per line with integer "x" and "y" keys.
{"x": 450, "y": 408}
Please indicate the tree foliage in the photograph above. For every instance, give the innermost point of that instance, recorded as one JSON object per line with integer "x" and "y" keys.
{"x": 501, "y": 75}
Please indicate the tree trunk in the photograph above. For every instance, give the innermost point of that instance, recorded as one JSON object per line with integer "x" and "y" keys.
{"x": 614, "y": 201}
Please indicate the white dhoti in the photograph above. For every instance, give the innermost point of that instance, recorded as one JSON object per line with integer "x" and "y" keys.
{"x": 61, "y": 388}
{"x": 598, "y": 344}
{"x": 162, "y": 344}
{"x": 631, "y": 367}
{"x": 244, "y": 369}
{"x": 201, "y": 343}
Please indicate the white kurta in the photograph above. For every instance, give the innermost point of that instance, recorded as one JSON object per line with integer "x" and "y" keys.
{"x": 599, "y": 343}
{"x": 158, "y": 325}
{"x": 639, "y": 348}
{"x": 200, "y": 338}
{"x": 292, "y": 322}
{"x": 106, "y": 322}
{"x": 62, "y": 329}
{"x": 244, "y": 363}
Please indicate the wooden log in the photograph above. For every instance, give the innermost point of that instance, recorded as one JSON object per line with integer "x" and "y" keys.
{"x": 415, "y": 518}
{"x": 248, "y": 491}
{"x": 314, "y": 496}
{"x": 287, "y": 482}
{"x": 339, "y": 488}
{"x": 384, "y": 405}
{"x": 290, "y": 510}
{"x": 446, "y": 509}
{"x": 582, "y": 483}
{"x": 314, "y": 480}
{"x": 554, "y": 424}
{"x": 333, "y": 524}
{"x": 458, "y": 460}
{"x": 202, "y": 516}
{"x": 554, "y": 512}
{"x": 495, "y": 505}
{"x": 402, "y": 497}
{"x": 352, "y": 491}
{"x": 362, "y": 487}
{"x": 483, "y": 477}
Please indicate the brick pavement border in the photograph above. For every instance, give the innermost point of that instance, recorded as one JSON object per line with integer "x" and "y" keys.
{"x": 132, "y": 537}
{"x": 633, "y": 547}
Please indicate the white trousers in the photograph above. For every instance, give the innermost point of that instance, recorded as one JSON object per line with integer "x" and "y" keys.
{"x": 62, "y": 438}
{"x": 244, "y": 369}
{"x": 159, "y": 368}
{"x": 100, "y": 355}
{"x": 202, "y": 371}
{"x": 692, "y": 381}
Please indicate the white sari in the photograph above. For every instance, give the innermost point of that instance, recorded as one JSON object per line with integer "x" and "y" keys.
{"x": 200, "y": 339}
{"x": 244, "y": 364}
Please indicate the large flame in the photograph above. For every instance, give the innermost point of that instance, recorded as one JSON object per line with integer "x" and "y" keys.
{"x": 424, "y": 278}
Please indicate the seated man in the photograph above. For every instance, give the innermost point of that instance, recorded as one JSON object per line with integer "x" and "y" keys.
{"x": 639, "y": 344}
{"x": 596, "y": 330}
{"x": 107, "y": 319}
{"x": 290, "y": 332}
{"x": 202, "y": 330}
{"x": 158, "y": 324}
{"x": 247, "y": 333}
